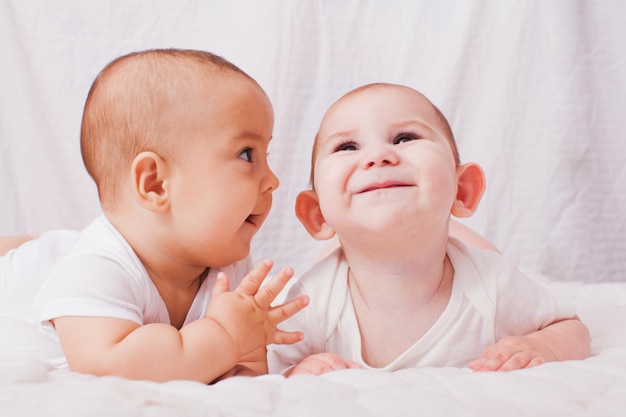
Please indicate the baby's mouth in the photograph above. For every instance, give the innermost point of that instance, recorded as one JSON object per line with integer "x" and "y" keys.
{"x": 253, "y": 219}
{"x": 383, "y": 185}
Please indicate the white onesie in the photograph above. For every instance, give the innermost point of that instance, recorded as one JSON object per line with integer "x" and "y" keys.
{"x": 490, "y": 299}
{"x": 102, "y": 276}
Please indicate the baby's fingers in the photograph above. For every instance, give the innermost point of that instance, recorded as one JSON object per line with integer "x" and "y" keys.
{"x": 266, "y": 295}
{"x": 503, "y": 361}
{"x": 281, "y": 337}
{"x": 222, "y": 285}
{"x": 518, "y": 361}
{"x": 284, "y": 311}
{"x": 320, "y": 363}
{"x": 491, "y": 359}
{"x": 251, "y": 282}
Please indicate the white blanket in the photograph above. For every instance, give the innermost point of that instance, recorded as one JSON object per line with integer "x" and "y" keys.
{"x": 593, "y": 387}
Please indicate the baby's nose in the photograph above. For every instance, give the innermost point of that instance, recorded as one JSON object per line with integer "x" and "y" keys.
{"x": 380, "y": 155}
{"x": 271, "y": 181}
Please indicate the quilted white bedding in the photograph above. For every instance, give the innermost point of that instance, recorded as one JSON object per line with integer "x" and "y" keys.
{"x": 593, "y": 387}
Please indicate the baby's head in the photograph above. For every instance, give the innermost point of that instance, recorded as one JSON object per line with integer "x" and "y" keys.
{"x": 384, "y": 151}
{"x": 424, "y": 106}
{"x": 177, "y": 142}
{"x": 143, "y": 101}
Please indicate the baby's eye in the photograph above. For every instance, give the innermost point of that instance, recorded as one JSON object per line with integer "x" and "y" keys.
{"x": 246, "y": 154}
{"x": 405, "y": 137}
{"x": 346, "y": 146}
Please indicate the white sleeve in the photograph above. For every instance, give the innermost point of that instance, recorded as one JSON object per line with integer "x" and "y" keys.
{"x": 93, "y": 286}
{"x": 524, "y": 304}
{"x": 24, "y": 269}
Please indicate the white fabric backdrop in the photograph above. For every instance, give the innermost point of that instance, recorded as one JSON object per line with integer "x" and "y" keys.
{"x": 534, "y": 90}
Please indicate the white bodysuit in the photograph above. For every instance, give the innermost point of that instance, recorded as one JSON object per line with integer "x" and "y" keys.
{"x": 101, "y": 276}
{"x": 490, "y": 299}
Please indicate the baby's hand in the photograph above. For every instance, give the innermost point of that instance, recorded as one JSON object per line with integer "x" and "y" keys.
{"x": 320, "y": 363}
{"x": 246, "y": 313}
{"x": 513, "y": 352}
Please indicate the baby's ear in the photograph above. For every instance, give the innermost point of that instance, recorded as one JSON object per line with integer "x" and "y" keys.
{"x": 470, "y": 188}
{"x": 310, "y": 215}
{"x": 150, "y": 181}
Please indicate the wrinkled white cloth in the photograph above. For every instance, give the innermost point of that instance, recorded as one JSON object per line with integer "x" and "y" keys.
{"x": 533, "y": 90}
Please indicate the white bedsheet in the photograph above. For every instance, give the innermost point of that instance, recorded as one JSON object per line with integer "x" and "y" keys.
{"x": 594, "y": 387}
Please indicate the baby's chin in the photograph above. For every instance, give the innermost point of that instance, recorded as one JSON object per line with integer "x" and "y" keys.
{"x": 386, "y": 220}
{"x": 235, "y": 255}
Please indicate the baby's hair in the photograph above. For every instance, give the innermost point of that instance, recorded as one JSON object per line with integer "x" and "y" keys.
{"x": 131, "y": 106}
{"x": 442, "y": 120}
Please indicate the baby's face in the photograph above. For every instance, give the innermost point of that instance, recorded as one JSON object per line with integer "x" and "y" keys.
{"x": 223, "y": 184}
{"x": 383, "y": 156}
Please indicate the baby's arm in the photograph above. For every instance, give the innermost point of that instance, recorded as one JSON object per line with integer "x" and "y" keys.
{"x": 253, "y": 364}
{"x": 562, "y": 340}
{"x": 237, "y": 323}
{"x": 11, "y": 242}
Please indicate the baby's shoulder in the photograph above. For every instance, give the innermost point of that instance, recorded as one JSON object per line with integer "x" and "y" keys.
{"x": 476, "y": 263}
{"x": 333, "y": 266}
{"x": 326, "y": 282}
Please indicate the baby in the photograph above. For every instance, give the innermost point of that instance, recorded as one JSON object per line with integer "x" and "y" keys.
{"x": 399, "y": 292}
{"x": 176, "y": 141}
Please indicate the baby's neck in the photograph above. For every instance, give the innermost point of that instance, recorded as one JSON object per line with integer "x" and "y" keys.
{"x": 393, "y": 277}
{"x": 177, "y": 282}
{"x": 397, "y": 300}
